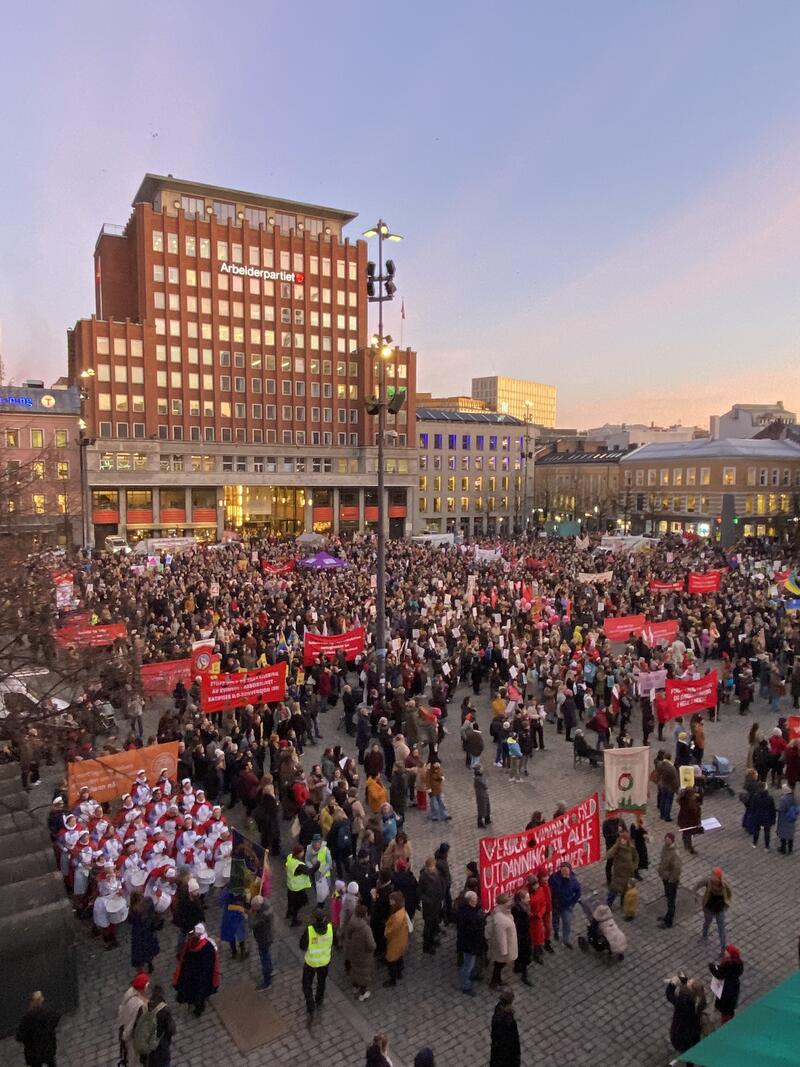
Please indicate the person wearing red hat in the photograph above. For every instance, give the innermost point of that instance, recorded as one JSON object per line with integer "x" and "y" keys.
{"x": 727, "y": 982}
{"x": 134, "y": 1000}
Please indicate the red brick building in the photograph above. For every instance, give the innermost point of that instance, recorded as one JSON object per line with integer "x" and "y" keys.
{"x": 40, "y": 480}
{"x": 226, "y": 367}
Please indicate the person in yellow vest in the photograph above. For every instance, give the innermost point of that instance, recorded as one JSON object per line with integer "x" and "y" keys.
{"x": 298, "y": 881}
{"x": 317, "y": 943}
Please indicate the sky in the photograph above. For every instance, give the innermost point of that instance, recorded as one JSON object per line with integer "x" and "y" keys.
{"x": 604, "y": 197}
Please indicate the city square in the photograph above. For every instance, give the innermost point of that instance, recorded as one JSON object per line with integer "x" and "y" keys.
{"x": 399, "y": 536}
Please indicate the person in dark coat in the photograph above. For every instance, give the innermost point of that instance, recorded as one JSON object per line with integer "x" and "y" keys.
{"x": 431, "y": 895}
{"x": 470, "y": 938}
{"x": 404, "y": 881}
{"x": 521, "y": 914}
{"x": 266, "y": 815}
{"x": 37, "y": 1033}
{"x": 689, "y": 816}
{"x": 482, "y": 798}
{"x": 639, "y": 842}
{"x": 188, "y": 910}
{"x": 505, "y": 1050}
{"x": 689, "y": 1001}
{"x": 165, "y": 1030}
{"x": 196, "y": 977}
{"x": 442, "y": 857}
{"x": 762, "y": 813}
{"x": 144, "y": 923}
{"x": 729, "y": 972}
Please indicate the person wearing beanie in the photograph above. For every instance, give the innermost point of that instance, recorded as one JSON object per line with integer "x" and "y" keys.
{"x": 262, "y": 927}
{"x": 670, "y": 866}
{"x": 134, "y": 999}
{"x": 317, "y": 943}
{"x": 727, "y": 982}
{"x": 350, "y": 899}
{"x": 787, "y": 817}
{"x": 716, "y": 901}
{"x": 505, "y": 1048}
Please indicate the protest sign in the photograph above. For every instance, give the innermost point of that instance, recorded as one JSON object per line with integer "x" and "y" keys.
{"x": 65, "y": 589}
{"x": 220, "y": 691}
{"x": 686, "y": 775}
{"x": 487, "y": 555}
{"x": 685, "y": 696}
{"x": 622, "y": 626}
{"x": 649, "y": 681}
{"x": 656, "y": 632}
{"x": 81, "y": 635}
{"x": 708, "y": 582}
{"x": 112, "y": 776}
{"x": 204, "y": 658}
{"x": 665, "y": 587}
{"x": 506, "y": 862}
{"x": 586, "y": 578}
{"x": 278, "y": 568}
{"x": 626, "y": 773}
{"x": 350, "y": 644}
{"x": 159, "y": 679}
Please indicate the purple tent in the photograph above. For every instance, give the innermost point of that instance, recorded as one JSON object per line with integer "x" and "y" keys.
{"x": 322, "y": 561}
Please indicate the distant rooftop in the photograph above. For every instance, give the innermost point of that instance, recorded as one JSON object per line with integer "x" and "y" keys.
{"x": 154, "y": 183}
{"x": 607, "y": 455}
{"x": 724, "y": 448}
{"x": 450, "y": 415}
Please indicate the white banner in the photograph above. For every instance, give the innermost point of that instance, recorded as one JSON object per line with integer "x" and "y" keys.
{"x": 626, "y": 778}
{"x": 486, "y": 555}
{"x": 625, "y": 543}
{"x": 603, "y": 576}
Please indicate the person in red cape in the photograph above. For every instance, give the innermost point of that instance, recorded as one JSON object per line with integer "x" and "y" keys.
{"x": 541, "y": 905}
{"x": 196, "y": 977}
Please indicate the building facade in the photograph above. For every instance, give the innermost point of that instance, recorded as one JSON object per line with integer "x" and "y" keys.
{"x": 40, "y": 472}
{"x": 746, "y": 420}
{"x": 226, "y": 367}
{"x": 691, "y": 487}
{"x": 574, "y": 484}
{"x": 625, "y": 436}
{"x": 472, "y": 473}
{"x": 526, "y": 401}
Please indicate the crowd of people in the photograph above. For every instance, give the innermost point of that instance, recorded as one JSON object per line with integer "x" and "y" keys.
{"x": 524, "y": 626}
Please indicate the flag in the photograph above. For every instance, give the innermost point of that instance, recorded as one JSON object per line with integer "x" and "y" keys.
{"x": 626, "y": 778}
{"x": 402, "y": 309}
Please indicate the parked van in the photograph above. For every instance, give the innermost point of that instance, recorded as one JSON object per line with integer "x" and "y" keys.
{"x": 154, "y": 546}
{"x": 117, "y": 546}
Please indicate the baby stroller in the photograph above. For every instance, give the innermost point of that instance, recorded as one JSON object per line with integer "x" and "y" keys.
{"x": 602, "y": 934}
{"x": 717, "y": 775}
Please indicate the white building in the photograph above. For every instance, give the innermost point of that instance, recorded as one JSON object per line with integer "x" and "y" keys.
{"x": 745, "y": 420}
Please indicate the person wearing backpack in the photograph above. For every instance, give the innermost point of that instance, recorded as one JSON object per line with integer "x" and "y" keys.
{"x": 340, "y": 842}
{"x": 153, "y": 1031}
{"x": 133, "y": 1002}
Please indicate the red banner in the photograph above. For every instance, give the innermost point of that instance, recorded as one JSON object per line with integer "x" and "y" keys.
{"x": 621, "y": 627}
{"x": 204, "y": 658}
{"x": 654, "y": 632}
{"x": 159, "y": 679}
{"x": 112, "y": 776}
{"x": 666, "y": 587}
{"x": 351, "y": 644}
{"x": 506, "y": 862}
{"x": 220, "y": 691}
{"x": 793, "y": 723}
{"x": 685, "y": 696}
{"x": 278, "y": 568}
{"x": 705, "y": 583}
{"x": 85, "y": 636}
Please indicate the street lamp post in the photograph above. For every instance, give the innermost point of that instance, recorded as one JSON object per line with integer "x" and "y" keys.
{"x": 381, "y": 287}
{"x": 84, "y": 441}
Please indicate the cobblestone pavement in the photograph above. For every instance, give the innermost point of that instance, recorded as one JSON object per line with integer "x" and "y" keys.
{"x": 581, "y": 1010}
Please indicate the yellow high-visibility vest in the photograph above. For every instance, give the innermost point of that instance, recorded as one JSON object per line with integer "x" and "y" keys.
{"x": 320, "y": 947}
{"x": 295, "y": 882}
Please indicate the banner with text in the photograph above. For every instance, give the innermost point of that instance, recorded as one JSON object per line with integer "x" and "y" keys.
{"x": 506, "y": 862}
{"x": 704, "y": 583}
{"x": 685, "y": 696}
{"x": 219, "y": 691}
{"x": 621, "y": 627}
{"x": 487, "y": 555}
{"x": 665, "y": 587}
{"x": 587, "y": 579}
{"x": 649, "y": 681}
{"x": 350, "y": 644}
{"x": 656, "y": 632}
{"x": 626, "y": 773}
{"x": 159, "y": 679}
{"x": 88, "y": 636}
{"x": 112, "y": 776}
{"x": 278, "y": 568}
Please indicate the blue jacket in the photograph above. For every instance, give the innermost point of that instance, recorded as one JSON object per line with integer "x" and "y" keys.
{"x": 566, "y": 891}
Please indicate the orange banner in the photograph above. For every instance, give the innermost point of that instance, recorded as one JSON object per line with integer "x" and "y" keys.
{"x": 114, "y": 775}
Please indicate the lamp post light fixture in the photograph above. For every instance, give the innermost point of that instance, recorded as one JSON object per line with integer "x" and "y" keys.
{"x": 381, "y": 287}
